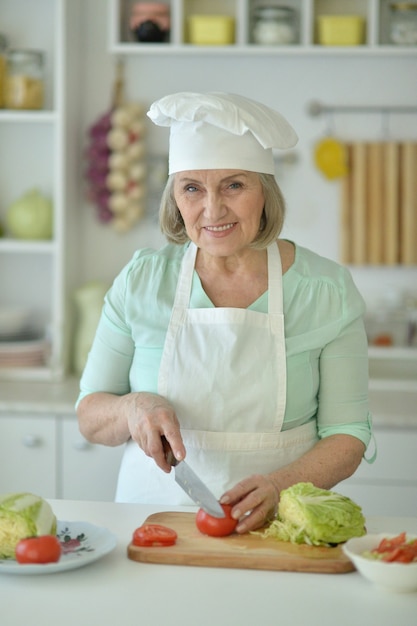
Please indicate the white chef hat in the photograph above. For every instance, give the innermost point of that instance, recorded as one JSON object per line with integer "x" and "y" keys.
{"x": 221, "y": 131}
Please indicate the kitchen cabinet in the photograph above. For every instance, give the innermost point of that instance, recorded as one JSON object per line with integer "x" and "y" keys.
{"x": 37, "y": 150}
{"x": 374, "y": 12}
{"x": 389, "y": 485}
{"x": 48, "y": 456}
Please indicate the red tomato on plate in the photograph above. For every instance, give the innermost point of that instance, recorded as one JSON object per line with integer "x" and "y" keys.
{"x": 216, "y": 526}
{"x": 42, "y": 549}
{"x": 154, "y": 535}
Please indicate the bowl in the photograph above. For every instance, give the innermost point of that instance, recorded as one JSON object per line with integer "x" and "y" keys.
{"x": 13, "y": 320}
{"x": 390, "y": 576}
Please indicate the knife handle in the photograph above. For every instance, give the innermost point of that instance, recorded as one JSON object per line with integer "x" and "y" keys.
{"x": 169, "y": 455}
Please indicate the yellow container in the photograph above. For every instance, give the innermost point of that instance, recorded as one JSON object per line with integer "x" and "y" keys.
{"x": 341, "y": 30}
{"x": 211, "y": 30}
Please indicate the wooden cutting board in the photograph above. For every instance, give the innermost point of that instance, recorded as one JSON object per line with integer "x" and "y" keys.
{"x": 236, "y": 551}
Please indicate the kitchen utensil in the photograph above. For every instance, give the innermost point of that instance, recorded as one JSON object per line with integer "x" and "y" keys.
{"x": 375, "y": 202}
{"x": 408, "y": 221}
{"x": 248, "y": 551}
{"x": 391, "y": 212}
{"x": 191, "y": 483}
{"x": 359, "y": 203}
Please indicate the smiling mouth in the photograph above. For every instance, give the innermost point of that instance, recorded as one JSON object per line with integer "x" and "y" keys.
{"x": 218, "y": 229}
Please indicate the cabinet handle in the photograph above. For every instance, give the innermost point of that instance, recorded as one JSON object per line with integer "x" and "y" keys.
{"x": 31, "y": 441}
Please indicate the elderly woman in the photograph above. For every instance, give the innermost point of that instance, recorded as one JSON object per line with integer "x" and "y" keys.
{"x": 245, "y": 351}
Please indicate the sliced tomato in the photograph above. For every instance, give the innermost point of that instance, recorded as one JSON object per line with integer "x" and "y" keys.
{"x": 41, "y": 549}
{"x": 386, "y": 544}
{"x": 154, "y": 535}
{"x": 216, "y": 526}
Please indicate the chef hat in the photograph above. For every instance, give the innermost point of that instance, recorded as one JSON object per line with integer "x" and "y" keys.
{"x": 221, "y": 131}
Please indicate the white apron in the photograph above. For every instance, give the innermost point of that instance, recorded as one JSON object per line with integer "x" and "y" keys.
{"x": 224, "y": 371}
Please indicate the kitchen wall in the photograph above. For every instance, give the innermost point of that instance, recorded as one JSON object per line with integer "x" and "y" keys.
{"x": 288, "y": 83}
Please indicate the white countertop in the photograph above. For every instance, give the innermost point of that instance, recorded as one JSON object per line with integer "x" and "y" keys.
{"x": 117, "y": 591}
{"x": 389, "y": 409}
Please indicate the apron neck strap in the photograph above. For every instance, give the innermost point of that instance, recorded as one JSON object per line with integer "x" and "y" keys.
{"x": 275, "y": 299}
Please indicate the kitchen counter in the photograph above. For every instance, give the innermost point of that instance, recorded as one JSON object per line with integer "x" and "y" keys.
{"x": 115, "y": 590}
{"x": 390, "y": 409}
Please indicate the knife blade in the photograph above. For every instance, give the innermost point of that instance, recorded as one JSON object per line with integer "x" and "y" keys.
{"x": 188, "y": 480}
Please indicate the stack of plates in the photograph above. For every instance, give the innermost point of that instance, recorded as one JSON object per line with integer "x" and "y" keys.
{"x": 20, "y": 344}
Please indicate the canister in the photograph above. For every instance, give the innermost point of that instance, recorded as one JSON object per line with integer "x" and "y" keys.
{"x": 274, "y": 25}
{"x": 24, "y": 85}
{"x": 403, "y": 23}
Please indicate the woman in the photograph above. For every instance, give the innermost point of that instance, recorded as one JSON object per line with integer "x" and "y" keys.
{"x": 246, "y": 352}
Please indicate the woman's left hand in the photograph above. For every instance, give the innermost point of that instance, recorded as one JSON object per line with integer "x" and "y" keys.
{"x": 254, "y": 501}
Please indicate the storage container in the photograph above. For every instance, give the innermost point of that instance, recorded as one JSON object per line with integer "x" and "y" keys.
{"x": 24, "y": 85}
{"x": 341, "y": 30}
{"x": 403, "y": 23}
{"x": 211, "y": 30}
{"x": 3, "y": 49}
{"x": 273, "y": 25}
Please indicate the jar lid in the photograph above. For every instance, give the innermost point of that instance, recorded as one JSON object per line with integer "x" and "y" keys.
{"x": 18, "y": 54}
{"x": 404, "y": 6}
{"x": 273, "y": 11}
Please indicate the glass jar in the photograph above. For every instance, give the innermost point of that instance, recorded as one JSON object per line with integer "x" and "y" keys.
{"x": 24, "y": 80}
{"x": 3, "y": 49}
{"x": 273, "y": 25}
{"x": 403, "y": 23}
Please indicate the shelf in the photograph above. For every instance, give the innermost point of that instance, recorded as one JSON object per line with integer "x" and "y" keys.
{"x": 374, "y": 12}
{"x": 394, "y": 353}
{"x": 28, "y": 117}
{"x": 133, "y": 49}
{"x": 27, "y": 247}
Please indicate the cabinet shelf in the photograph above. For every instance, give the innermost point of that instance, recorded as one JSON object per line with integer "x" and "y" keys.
{"x": 374, "y": 12}
{"x": 28, "y": 117}
{"x": 29, "y": 247}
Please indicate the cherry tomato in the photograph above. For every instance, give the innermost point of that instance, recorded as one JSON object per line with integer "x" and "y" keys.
{"x": 216, "y": 526}
{"x": 154, "y": 535}
{"x": 42, "y": 549}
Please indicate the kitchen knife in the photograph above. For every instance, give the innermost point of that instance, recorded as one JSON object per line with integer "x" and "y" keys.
{"x": 191, "y": 483}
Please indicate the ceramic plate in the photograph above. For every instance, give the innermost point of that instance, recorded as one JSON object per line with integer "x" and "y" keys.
{"x": 82, "y": 543}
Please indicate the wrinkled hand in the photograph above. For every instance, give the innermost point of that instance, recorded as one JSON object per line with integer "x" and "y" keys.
{"x": 149, "y": 417}
{"x": 254, "y": 501}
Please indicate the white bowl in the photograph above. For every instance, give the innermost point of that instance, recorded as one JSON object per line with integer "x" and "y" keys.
{"x": 391, "y": 576}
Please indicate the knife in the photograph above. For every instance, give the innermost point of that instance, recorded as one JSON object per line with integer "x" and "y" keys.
{"x": 192, "y": 484}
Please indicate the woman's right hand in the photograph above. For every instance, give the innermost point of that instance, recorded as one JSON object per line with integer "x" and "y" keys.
{"x": 150, "y": 416}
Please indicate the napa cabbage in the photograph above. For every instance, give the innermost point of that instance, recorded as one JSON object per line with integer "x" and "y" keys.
{"x": 308, "y": 514}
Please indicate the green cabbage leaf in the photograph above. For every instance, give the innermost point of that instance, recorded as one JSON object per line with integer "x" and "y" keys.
{"x": 23, "y": 515}
{"x": 308, "y": 514}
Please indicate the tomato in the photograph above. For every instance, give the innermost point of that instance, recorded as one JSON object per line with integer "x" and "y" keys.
{"x": 397, "y": 549}
{"x": 42, "y": 549}
{"x": 154, "y": 535}
{"x": 216, "y": 526}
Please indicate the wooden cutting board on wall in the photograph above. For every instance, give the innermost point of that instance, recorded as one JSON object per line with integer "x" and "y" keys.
{"x": 408, "y": 222}
{"x": 236, "y": 551}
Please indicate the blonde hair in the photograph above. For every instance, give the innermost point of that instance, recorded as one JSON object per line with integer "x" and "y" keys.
{"x": 272, "y": 220}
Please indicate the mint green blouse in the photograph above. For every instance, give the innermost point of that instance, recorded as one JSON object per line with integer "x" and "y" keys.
{"x": 326, "y": 344}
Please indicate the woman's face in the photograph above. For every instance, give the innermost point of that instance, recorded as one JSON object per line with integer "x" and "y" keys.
{"x": 221, "y": 209}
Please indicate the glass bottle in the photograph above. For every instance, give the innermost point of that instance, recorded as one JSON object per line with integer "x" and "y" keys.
{"x": 24, "y": 87}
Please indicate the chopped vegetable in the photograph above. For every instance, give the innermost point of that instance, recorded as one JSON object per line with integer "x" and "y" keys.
{"x": 395, "y": 550}
{"x": 308, "y": 514}
{"x": 23, "y": 515}
{"x": 154, "y": 535}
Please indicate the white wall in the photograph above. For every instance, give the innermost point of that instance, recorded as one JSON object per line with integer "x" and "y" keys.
{"x": 288, "y": 83}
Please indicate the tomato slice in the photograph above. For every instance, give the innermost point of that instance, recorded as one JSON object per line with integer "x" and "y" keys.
{"x": 386, "y": 544}
{"x": 397, "y": 549}
{"x": 216, "y": 526}
{"x": 41, "y": 549}
{"x": 154, "y": 535}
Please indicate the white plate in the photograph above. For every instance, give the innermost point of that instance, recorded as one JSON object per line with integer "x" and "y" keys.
{"x": 83, "y": 543}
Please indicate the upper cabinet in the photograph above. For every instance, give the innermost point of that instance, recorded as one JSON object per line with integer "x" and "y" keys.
{"x": 38, "y": 157}
{"x": 259, "y": 27}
